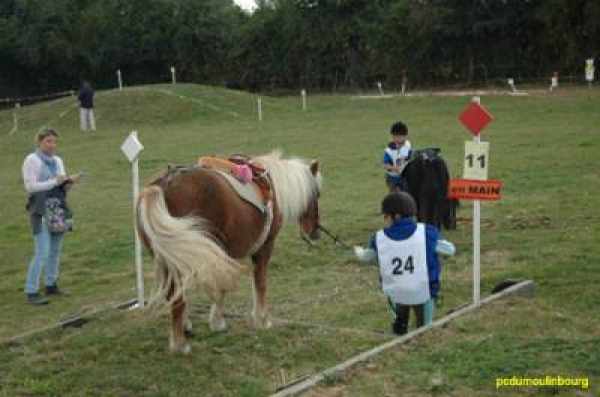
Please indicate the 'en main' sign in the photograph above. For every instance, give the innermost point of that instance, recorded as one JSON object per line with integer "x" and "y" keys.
{"x": 470, "y": 189}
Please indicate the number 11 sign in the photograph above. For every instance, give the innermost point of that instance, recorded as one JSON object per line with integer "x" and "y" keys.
{"x": 476, "y": 160}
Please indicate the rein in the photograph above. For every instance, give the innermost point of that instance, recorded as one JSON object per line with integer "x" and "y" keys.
{"x": 307, "y": 240}
{"x": 334, "y": 237}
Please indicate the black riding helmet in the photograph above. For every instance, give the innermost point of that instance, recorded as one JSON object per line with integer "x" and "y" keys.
{"x": 399, "y": 128}
{"x": 399, "y": 203}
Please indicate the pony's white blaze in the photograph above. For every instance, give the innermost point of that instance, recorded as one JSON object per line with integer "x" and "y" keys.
{"x": 295, "y": 185}
{"x": 185, "y": 253}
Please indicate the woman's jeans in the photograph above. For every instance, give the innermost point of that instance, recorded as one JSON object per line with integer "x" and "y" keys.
{"x": 47, "y": 254}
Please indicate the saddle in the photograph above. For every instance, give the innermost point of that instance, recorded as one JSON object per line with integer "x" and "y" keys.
{"x": 251, "y": 187}
{"x": 429, "y": 153}
{"x": 238, "y": 166}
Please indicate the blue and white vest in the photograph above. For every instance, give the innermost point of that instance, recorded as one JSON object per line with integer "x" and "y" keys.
{"x": 398, "y": 156}
{"x": 403, "y": 267}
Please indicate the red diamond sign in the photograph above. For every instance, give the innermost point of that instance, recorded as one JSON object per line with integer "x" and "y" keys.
{"x": 475, "y": 118}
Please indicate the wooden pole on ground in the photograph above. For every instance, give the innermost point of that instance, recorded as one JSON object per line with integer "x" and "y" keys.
{"x": 525, "y": 288}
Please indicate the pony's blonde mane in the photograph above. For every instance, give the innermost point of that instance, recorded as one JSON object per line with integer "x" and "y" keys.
{"x": 293, "y": 182}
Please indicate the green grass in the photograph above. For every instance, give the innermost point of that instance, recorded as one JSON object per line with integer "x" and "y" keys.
{"x": 546, "y": 227}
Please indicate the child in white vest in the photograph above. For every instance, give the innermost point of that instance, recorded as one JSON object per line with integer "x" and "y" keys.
{"x": 396, "y": 156}
{"x": 407, "y": 255}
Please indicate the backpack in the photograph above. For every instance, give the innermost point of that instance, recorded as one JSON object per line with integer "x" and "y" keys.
{"x": 59, "y": 218}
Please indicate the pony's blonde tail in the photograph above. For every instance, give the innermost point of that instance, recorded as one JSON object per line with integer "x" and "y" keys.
{"x": 185, "y": 253}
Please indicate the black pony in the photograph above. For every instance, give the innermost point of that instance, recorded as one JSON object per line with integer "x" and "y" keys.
{"x": 427, "y": 178}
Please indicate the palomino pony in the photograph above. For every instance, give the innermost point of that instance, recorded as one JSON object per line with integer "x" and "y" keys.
{"x": 198, "y": 227}
{"x": 427, "y": 179}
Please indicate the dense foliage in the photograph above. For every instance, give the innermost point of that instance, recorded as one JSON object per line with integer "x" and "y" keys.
{"x": 320, "y": 44}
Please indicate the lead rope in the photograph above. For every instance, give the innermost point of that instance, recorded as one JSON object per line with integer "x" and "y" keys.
{"x": 334, "y": 237}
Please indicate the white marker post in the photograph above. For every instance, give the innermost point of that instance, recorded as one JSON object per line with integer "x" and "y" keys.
{"x": 511, "y": 83}
{"x": 303, "y": 93}
{"x": 589, "y": 71}
{"x": 132, "y": 149}
{"x": 554, "y": 82}
{"x": 173, "y": 81}
{"x": 120, "y": 80}
{"x": 15, "y": 119}
{"x": 474, "y": 185}
{"x": 259, "y": 104}
{"x": 476, "y": 235}
{"x": 476, "y": 169}
{"x": 380, "y": 88}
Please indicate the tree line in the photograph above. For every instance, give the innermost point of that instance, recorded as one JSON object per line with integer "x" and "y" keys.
{"x": 48, "y": 46}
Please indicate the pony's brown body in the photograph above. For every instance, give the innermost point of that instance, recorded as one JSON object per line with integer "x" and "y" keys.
{"x": 197, "y": 227}
{"x": 233, "y": 221}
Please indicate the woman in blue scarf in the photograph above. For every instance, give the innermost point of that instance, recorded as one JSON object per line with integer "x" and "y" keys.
{"x": 44, "y": 171}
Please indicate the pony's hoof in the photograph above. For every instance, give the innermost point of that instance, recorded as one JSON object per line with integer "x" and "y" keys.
{"x": 218, "y": 325}
{"x": 183, "y": 349}
{"x": 188, "y": 333}
{"x": 188, "y": 330}
{"x": 261, "y": 322}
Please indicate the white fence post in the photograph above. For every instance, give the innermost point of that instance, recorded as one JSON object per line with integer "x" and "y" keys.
{"x": 15, "y": 119}
{"x": 511, "y": 83}
{"x": 554, "y": 82}
{"x": 120, "y": 80}
{"x": 132, "y": 149}
{"x": 173, "y": 80}
{"x": 476, "y": 237}
{"x": 589, "y": 71}
{"x": 259, "y": 103}
{"x": 303, "y": 93}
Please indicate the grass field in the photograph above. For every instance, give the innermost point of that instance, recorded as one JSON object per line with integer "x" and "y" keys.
{"x": 546, "y": 227}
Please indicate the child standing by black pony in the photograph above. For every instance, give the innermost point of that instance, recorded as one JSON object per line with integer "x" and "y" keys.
{"x": 396, "y": 156}
{"x": 407, "y": 255}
